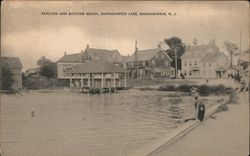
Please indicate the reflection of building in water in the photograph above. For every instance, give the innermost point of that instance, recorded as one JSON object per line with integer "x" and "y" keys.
{"x": 176, "y": 110}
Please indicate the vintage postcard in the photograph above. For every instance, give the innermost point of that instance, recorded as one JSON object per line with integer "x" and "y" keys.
{"x": 124, "y": 78}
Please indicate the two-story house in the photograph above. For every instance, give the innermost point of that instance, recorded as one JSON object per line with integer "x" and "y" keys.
{"x": 204, "y": 61}
{"x": 68, "y": 61}
{"x": 214, "y": 65}
{"x": 149, "y": 63}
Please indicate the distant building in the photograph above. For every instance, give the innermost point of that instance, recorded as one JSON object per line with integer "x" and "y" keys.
{"x": 97, "y": 73}
{"x": 33, "y": 72}
{"x": 214, "y": 65}
{"x": 149, "y": 63}
{"x": 15, "y": 66}
{"x": 204, "y": 61}
{"x": 65, "y": 64}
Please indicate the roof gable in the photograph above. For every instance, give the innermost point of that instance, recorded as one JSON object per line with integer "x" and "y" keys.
{"x": 97, "y": 66}
{"x": 143, "y": 55}
{"x": 198, "y": 51}
{"x": 72, "y": 58}
{"x": 213, "y": 57}
{"x": 105, "y": 55}
{"x": 11, "y": 62}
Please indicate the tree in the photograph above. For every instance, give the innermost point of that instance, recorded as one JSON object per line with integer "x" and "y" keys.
{"x": 231, "y": 48}
{"x": 48, "y": 68}
{"x": 6, "y": 78}
{"x": 175, "y": 45}
{"x": 43, "y": 61}
{"x": 49, "y": 71}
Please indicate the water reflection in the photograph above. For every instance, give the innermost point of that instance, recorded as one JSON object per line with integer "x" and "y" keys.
{"x": 82, "y": 124}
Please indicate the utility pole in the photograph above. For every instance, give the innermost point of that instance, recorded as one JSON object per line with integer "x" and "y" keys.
{"x": 240, "y": 62}
{"x": 176, "y": 68}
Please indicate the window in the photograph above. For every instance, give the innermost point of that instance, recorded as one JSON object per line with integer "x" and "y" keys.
{"x": 210, "y": 64}
{"x": 195, "y": 63}
{"x": 204, "y": 64}
{"x": 153, "y": 62}
{"x": 166, "y": 63}
{"x": 204, "y": 72}
{"x": 162, "y": 56}
{"x": 190, "y": 63}
{"x": 185, "y": 63}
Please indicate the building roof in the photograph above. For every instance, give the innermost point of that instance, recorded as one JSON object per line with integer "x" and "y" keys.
{"x": 212, "y": 57}
{"x": 72, "y": 58}
{"x": 143, "y": 55}
{"x": 106, "y": 55}
{"x": 94, "y": 54}
{"x": 11, "y": 62}
{"x": 97, "y": 66}
{"x": 33, "y": 70}
{"x": 198, "y": 51}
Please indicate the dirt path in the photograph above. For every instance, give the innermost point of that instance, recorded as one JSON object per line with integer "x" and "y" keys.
{"x": 227, "y": 135}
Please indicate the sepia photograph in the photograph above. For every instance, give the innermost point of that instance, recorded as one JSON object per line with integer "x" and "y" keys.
{"x": 124, "y": 78}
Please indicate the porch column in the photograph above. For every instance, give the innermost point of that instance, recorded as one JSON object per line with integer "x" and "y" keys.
{"x": 93, "y": 81}
{"x": 70, "y": 81}
{"x": 125, "y": 80}
{"x": 81, "y": 80}
{"x": 102, "y": 80}
{"x": 114, "y": 79}
{"x": 89, "y": 80}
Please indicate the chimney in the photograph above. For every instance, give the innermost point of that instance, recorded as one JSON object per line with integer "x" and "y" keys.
{"x": 65, "y": 53}
{"x": 159, "y": 45}
{"x": 87, "y": 46}
{"x": 136, "y": 50}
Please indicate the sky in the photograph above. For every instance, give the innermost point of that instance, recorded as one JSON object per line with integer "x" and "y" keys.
{"x": 27, "y": 34}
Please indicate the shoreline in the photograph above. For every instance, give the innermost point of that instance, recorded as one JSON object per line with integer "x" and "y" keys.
{"x": 154, "y": 148}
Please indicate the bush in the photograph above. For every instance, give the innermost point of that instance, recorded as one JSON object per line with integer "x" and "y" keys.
{"x": 204, "y": 90}
{"x": 37, "y": 83}
{"x": 184, "y": 88}
{"x": 167, "y": 88}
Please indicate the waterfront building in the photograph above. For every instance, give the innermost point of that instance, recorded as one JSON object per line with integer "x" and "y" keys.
{"x": 149, "y": 63}
{"x": 97, "y": 74}
{"x": 15, "y": 66}
{"x": 204, "y": 61}
{"x": 68, "y": 61}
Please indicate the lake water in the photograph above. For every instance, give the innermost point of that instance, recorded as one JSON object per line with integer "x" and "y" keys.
{"x": 75, "y": 124}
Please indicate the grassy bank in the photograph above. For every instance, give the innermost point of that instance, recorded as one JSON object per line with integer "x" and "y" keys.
{"x": 204, "y": 90}
{"x": 36, "y": 83}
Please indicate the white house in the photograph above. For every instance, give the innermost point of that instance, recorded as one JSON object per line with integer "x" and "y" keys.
{"x": 204, "y": 61}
